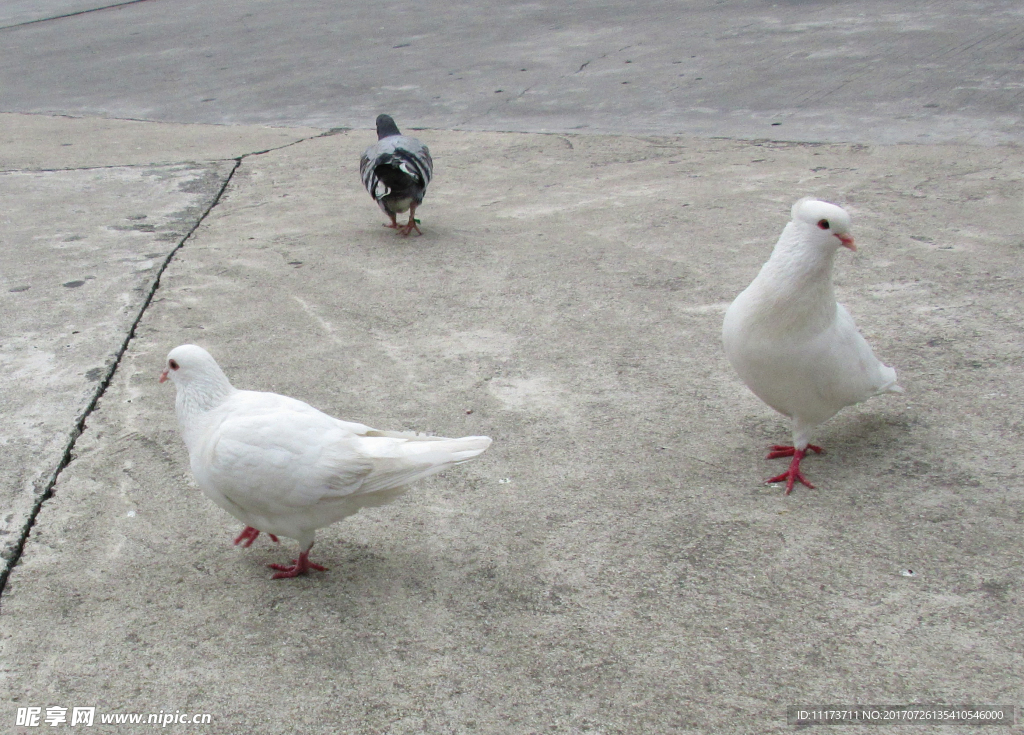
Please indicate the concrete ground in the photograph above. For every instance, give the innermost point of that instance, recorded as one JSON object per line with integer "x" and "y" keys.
{"x": 613, "y": 563}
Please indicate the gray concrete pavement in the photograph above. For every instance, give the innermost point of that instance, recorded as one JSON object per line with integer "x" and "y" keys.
{"x": 92, "y": 211}
{"x": 32, "y": 144}
{"x": 75, "y": 277}
{"x": 14, "y": 13}
{"x": 612, "y": 564}
{"x": 868, "y": 71}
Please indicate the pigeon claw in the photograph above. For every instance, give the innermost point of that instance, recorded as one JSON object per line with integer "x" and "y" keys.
{"x": 407, "y": 229}
{"x": 793, "y": 474}
{"x": 248, "y": 535}
{"x": 302, "y": 565}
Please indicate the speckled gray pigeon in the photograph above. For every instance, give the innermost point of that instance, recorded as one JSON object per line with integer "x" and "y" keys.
{"x": 396, "y": 170}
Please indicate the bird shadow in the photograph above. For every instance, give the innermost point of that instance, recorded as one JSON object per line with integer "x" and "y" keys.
{"x": 867, "y": 445}
{"x": 348, "y": 563}
{"x": 384, "y": 235}
{"x": 874, "y": 433}
{"x": 861, "y": 433}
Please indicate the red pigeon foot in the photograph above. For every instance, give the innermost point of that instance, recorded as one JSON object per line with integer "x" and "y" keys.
{"x": 302, "y": 565}
{"x": 793, "y": 474}
{"x": 410, "y": 227}
{"x": 248, "y": 535}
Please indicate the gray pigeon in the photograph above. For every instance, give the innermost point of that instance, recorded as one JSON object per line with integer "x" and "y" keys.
{"x": 396, "y": 170}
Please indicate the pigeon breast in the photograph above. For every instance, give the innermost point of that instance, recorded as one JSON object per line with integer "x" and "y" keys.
{"x": 789, "y": 340}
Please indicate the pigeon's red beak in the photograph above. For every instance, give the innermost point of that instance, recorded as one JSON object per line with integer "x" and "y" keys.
{"x": 163, "y": 376}
{"x": 846, "y": 240}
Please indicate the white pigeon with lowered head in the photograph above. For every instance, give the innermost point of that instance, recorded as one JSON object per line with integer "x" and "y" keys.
{"x": 282, "y": 467}
{"x": 396, "y": 170}
{"x": 793, "y": 345}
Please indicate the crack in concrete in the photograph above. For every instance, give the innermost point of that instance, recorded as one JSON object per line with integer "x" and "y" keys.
{"x": 325, "y": 134}
{"x": 587, "y": 63}
{"x": 113, "y": 165}
{"x": 68, "y": 455}
{"x": 510, "y": 100}
{"x": 71, "y": 15}
{"x": 150, "y": 164}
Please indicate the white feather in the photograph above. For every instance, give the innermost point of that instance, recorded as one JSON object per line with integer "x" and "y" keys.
{"x": 283, "y": 467}
{"x": 793, "y": 345}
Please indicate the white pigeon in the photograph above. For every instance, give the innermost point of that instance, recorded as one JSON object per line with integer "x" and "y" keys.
{"x": 396, "y": 170}
{"x": 282, "y": 467}
{"x": 796, "y": 348}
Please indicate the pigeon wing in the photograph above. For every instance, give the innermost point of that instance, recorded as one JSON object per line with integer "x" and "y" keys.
{"x": 406, "y": 154}
{"x": 272, "y": 464}
{"x": 855, "y": 374}
{"x": 295, "y": 457}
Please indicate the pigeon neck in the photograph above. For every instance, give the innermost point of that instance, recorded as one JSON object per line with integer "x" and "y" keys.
{"x": 201, "y": 394}
{"x": 801, "y": 278}
{"x": 386, "y": 129}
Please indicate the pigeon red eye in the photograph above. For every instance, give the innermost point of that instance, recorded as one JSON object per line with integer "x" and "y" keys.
{"x": 173, "y": 365}
{"x": 823, "y": 224}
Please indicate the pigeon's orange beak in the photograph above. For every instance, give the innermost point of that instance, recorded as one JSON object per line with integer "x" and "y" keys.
{"x": 846, "y": 240}
{"x": 163, "y": 376}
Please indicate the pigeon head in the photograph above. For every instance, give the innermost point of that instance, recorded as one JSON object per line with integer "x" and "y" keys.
{"x": 823, "y": 223}
{"x": 386, "y": 127}
{"x": 190, "y": 365}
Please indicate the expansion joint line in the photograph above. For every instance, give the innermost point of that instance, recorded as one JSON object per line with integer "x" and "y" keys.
{"x": 66, "y": 458}
{"x": 71, "y": 14}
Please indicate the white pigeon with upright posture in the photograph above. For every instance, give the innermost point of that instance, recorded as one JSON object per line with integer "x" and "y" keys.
{"x": 396, "y": 170}
{"x": 282, "y": 467}
{"x": 796, "y": 348}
